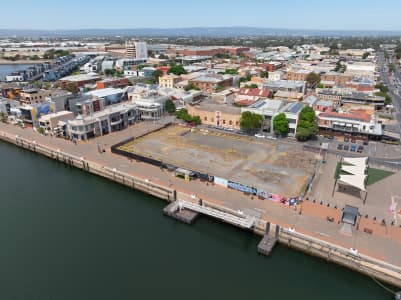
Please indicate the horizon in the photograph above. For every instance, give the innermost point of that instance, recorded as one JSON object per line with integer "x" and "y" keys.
{"x": 121, "y": 14}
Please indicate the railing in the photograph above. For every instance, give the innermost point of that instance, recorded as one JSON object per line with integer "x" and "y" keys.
{"x": 245, "y": 222}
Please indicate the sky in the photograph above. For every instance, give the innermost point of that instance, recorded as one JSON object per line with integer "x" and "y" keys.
{"x": 288, "y": 14}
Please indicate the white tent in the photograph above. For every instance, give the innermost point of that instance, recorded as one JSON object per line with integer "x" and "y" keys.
{"x": 356, "y": 168}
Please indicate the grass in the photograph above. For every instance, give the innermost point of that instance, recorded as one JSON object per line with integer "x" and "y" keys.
{"x": 376, "y": 175}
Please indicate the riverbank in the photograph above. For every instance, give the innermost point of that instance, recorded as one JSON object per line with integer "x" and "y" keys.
{"x": 164, "y": 189}
{"x": 22, "y": 61}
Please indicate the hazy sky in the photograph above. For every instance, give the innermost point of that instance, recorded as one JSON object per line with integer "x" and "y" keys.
{"x": 301, "y": 14}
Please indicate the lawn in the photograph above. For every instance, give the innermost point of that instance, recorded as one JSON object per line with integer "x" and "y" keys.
{"x": 375, "y": 175}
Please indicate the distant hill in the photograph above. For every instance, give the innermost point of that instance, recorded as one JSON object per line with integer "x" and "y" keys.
{"x": 190, "y": 31}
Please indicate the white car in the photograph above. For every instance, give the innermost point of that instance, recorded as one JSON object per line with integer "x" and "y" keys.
{"x": 269, "y": 137}
{"x": 258, "y": 135}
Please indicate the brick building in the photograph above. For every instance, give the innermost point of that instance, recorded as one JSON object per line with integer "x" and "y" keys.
{"x": 217, "y": 114}
{"x": 114, "y": 82}
{"x": 212, "y": 83}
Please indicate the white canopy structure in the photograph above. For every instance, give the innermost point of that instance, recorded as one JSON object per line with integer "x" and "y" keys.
{"x": 355, "y": 167}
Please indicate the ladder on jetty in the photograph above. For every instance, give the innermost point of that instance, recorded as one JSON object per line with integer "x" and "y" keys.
{"x": 245, "y": 221}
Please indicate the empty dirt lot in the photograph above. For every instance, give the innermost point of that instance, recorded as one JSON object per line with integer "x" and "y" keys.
{"x": 280, "y": 169}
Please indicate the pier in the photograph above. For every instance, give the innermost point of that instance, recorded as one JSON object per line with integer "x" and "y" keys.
{"x": 269, "y": 240}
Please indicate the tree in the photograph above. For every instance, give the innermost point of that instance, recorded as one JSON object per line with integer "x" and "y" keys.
{"x": 157, "y": 74}
{"x": 250, "y": 122}
{"x": 109, "y": 72}
{"x": 191, "y": 86}
{"x": 3, "y": 117}
{"x": 365, "y": 55}
{"x": 312, "y": 78}
{"x": 307, "y": 124}
{"x": 231, "y": 71}
{"x": 169, "y": 106}
{"x": 185, "y": 116}
{"x": 280, "y": 124}
{"x": 251, "y": 86}
{"x": 176, "y": 70}
{"x": 264, "y": 74}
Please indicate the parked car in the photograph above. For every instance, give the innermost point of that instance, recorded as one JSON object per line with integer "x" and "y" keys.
{"x": 259, "y": 135}
{"x": 360, "y": 149}
{"x": 340, "y": 147}
{"x": 346, "y": 147}
{"x": 353, "y": 148}
{"x": 331, "y": 137}
{"x": 270, "y": 137}
{"x": 366, "y": 142}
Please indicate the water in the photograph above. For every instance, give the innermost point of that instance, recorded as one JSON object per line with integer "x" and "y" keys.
{"x": 7, "y": 69}
{"x": 66, "y": 234}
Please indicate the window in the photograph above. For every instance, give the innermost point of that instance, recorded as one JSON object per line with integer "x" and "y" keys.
{"x": 205, "y": 118}
{"x": 236, "y": 123}
{"x": 230, "y": 122}
{"x": 224, "y": 121}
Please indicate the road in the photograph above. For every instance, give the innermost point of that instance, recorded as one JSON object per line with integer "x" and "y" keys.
{"x": 394, "y": 91}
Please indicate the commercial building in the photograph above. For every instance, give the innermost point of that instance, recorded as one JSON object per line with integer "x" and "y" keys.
{"x": 215, "y": 114}
{"x": 135, "y": 49}
{"x": 353, "y": 122}
{"x": 78, "y": 81}
{"x": 34, "y": 95}
{"x": 169, "y": 81}
{"x": 50, "y": 122}
{"x": 109, "y": 95}
{"x": 286, "y": 85}
{"x": 114, "y": 82}
{"x": 212, "y": 83}
{"x": 268, "y": 109}
{"x": 113, "y": 118}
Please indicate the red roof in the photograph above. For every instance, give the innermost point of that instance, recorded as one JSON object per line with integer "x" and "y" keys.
{"x": 359, "y": 115}
{"x": 254, "y": 92}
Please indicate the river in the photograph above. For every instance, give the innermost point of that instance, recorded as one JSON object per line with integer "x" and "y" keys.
{"x": 7, "y": 69}
{"x": 66, "y": 234}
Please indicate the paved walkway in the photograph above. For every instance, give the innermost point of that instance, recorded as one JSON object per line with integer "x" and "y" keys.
{"x": 311, "y": 218}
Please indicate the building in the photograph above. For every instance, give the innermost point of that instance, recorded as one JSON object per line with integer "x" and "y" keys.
{"x": 252, "y": 95}
{"x": 215, "y": 114}
{"x": 113, "y": 118}
{"x": 212, "y": 83}
{"x": 114, "y": 82}
{"x": 149, "y": 110}
{"x": 109, "y": 95}
{"x": 292, "y": 111}
{"x": 211, "y": 51}
{"x": 50, "y": 122}
{"x": 286, "y": 85}
{"x": 297, "y": 75}
{"x": 136, "y": 50}
{"x": 321, "y": 106}
{"x": 34, "y": 95}
{"x": 354, "y": 122}
{"x": 268, "y": 109}
{"x": 78, "y": 81}
{"x": 169, "y": 81}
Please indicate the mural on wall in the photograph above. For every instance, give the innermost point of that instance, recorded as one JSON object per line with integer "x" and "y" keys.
{"x": 41, "y": 110}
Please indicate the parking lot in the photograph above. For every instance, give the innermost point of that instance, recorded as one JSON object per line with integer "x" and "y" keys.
{"x": 274, "y": 167}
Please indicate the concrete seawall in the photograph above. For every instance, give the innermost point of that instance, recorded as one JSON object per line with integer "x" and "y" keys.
{"x": 333, "y": 253}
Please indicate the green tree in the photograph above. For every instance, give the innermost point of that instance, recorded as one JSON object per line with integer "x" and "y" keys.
{"x": 264, "y": 74}
{"x": 312, "y": 78}
{"x": 3, "y": 117}
{"x": 307, "y": 124}
{"x": 109, "y": 72}
{"x": 280, "y": 124}
{"x": 185, "y": 116}
{"x": 251, "y": 86}
{"x": 382, "y": 87}
{"x": 176, "y": 70}
{"x": 231, "y": 71}
{"x": 157, "y": 74}
{"x": 191, "y": 86}
{"x": 169, "y": 106}
{"x": 250, "y": 122}
{"x": 365, "y": 55}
